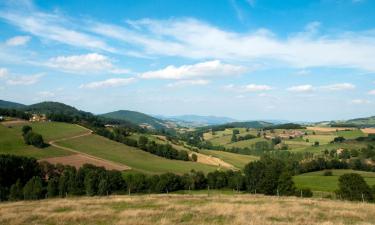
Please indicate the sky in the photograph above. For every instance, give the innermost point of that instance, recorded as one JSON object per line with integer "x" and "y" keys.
{"x": 245, "y": 59}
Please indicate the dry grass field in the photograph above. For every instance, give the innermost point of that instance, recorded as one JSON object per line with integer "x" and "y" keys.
{"x": 186, "y": 209}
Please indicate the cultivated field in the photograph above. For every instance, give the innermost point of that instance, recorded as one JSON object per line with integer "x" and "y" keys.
{"x": 186, "y": 209}
{"x": 237, "y": 160}
{"x": 135, "y": 158}
{"x": 316, "y": 181}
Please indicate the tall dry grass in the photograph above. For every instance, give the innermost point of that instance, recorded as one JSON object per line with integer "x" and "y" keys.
{"x": 185, "y": 209}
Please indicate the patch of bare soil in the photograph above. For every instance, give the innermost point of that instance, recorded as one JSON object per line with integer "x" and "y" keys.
{"x": 368, "y": 130}
{"x": 329, "y": 129}
{"x": 78, "y": 160}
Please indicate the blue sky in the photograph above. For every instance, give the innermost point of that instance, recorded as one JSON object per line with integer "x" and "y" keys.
{"x": 246, "y": 59}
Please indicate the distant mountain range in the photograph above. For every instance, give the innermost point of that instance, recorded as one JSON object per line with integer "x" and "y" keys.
{"x": 168, "y": 122}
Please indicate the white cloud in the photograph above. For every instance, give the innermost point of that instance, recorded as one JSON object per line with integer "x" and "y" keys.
{"x": 204, "y": 69}
{"x": 113, "y": 82}
{"x": 360, "y": 101}
{"x": 3, "y": 73}
{"x": 54, "y": 27}
{"x": 87, "y": 63}
{"x": 255, "y": 87}
{"x": 188, "y": 83}
{"x": 18, "y": 40}
{"x": 24, "y": 80}
{"x": 372, "y": 92}
{"x": 46, "y": 94}
{"x": 339, "y": 87}
{"x": 192, "y": 38}
{"x": 301, "y": 88}
{"x": 303, "y": 72}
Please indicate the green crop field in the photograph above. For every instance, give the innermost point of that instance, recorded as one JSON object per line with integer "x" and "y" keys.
{"x": 245, "y": 143}
{"x": 351, "y": 134}
{"x": 316, "y": 181}
{"x": 137, "y": 159}
{"x": 56, "y": 130}
{"x": 237, "y": 160}
{"x": 11, "y": 142}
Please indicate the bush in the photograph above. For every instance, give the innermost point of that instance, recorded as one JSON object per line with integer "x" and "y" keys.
{"x": 327, "y": 173}
{"x": 353, "y": 187}
{"x": 34, "y": 139}
{"x": 194, "y": 157}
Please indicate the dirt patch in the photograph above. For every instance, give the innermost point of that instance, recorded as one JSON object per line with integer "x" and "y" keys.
{"x": 329, "y": 129}
{"x": 78, "y": 160}
{"x": 368, "y": 130}
{"x": 14, "y": 122}
{"x": 210, "y": 160}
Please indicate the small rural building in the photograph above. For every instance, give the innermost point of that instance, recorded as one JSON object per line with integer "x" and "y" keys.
{"x": 38, "y": 118}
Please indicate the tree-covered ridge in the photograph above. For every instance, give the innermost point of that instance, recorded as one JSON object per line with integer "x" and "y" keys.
{"x": 10, "y": 105}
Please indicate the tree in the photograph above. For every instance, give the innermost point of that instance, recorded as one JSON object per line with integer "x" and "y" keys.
{"x": 104, "y": 186}
{"x": 316, "y": 143}
{"x": 353, "y": 187}
{"x": 286, "y": 185}
{"x": 234, "y": 137}
{"x": 33, "y": 189}
{"x": 142, "y": 142}
{"x": 53, "y": 187}
{"x": 35, "y": 139}
{"x": 16, "y": 191}
{"x": 91, "y": 183}
{"x": 26, "y": 129}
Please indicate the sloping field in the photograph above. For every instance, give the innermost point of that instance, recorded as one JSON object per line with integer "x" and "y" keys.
{"x": 368, "y": 130}
{"x": 78, "y": 160}
{"x": 237, "y": 160}
{"x": 11, "y": 142}
{"x": 186, "y": 209}
{"x": 329, "y": 129}
{"x": 245, "y": 143}
{"x": 135, "y": 158}
{"x": 316, "y": 181}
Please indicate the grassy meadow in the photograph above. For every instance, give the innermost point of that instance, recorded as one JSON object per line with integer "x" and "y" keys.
{"x": 11, "y": 142}
{"x": 137, "y": 159}
{"x": 316, "y": 181}
{"x": 185, "y": 209}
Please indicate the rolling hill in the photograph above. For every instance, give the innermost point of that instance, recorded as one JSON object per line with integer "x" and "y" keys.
{"x": 197, "y": 121}
{"x": 10, "y": 105}
{"x": 137, "y": 118}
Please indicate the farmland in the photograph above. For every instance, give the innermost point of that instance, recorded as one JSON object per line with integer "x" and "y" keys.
{"x": 135, "y": 158}
{"x": 186, "y": 209}
{"x": 238, "y": 160}
{"x": 316, "y": 181}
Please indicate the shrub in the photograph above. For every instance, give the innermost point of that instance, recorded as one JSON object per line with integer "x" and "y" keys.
{"x": 327, "y": 173}
{"x": 194, "y": 157}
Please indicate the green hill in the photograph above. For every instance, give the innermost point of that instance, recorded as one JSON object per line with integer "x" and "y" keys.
{"x": 10, "y": 105}
{"x": 137, "y": 118}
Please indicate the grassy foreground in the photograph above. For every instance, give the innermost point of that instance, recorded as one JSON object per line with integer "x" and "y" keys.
{"x": 186, "y": 209}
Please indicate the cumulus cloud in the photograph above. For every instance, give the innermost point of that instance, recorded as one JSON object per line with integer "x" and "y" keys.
{"x": 339, "y": 87}
{"x": 301, "y": 88}
{"x": 255, "y": 87}
{"x": 86, "y": 63}
{"x": 188, "y": 83}
{"x": 248, "y": 88}
{"x": 18, "y": 40}
{"x": 205, "y": 69}
{"x": 113, "y": 82}
{"x": 24, "y": 80}
{"x": 3, "y": 72}
{"x": 360, "y": 101}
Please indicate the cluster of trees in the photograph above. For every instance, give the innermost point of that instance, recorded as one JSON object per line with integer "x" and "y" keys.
{"x": 236, "y": 138}
{"x": 32, "y": 138}
{"x": 14, "y": 113}
{"x": 353, "y": 187}
{"x": 163, "y": 150}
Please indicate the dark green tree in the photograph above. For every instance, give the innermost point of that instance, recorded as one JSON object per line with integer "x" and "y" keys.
{"x": 33, "y": 189}
{"x": 286, "y": 185}
{"x": 53, "y": 187}
{"x": 353, "y": 187}
{"x": 16, "y": 191}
